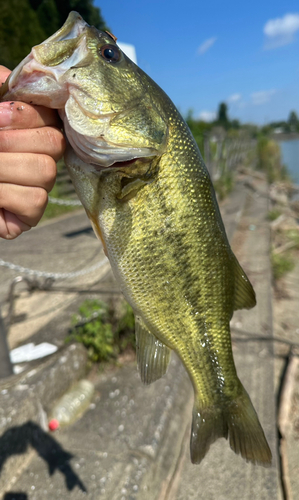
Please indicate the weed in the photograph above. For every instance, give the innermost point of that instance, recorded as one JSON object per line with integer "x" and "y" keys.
{"x": 269, "y": 160}
{"x": 281, "y": 264}
{"x": 224, "y": 185}
{"x": 293, "y": 235}
{"x": 273, "y": 214}
{"x": 101, "y": 332}
{"x": 52, "y": 209}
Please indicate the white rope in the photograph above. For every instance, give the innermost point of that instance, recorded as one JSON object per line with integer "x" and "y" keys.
{"x": 43, "y": 274}
{"x": 66, "y": 203}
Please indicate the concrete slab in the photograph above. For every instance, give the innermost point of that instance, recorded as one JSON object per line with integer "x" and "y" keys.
{"x": 23, "y": 400}
{"x": 124, "y": 447}
{"x": 66, "y": 245}
{"x": 223, "y": 475}
{"x": 286, "y": 328}
{"x": 133, "y": 444}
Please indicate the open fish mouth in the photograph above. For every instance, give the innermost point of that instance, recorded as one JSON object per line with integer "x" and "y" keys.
{"x": 37, "y": 79}
{"x": 46, "y": 77}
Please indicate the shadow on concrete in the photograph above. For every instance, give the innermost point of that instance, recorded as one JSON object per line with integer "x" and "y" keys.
{"x": 15, "y": 496}
{"x": 16, "y": 441}
{"x": 73, "y": 234}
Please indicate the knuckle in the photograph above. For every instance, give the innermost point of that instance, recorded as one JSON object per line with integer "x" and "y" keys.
{"x": 5, "y": 140}
{"x": 39, "y": 199}
{"x": 47, "y": 167}
{"x": 56, "y": 141}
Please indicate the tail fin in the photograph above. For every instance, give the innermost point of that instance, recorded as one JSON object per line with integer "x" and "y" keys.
{"x": 237, "y": 421}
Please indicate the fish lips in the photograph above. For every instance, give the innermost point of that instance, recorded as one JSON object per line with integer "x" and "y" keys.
{"x": 31, "y": 77}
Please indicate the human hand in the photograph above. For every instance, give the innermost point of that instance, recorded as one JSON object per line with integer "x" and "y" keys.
{"x": 30, "y": 144}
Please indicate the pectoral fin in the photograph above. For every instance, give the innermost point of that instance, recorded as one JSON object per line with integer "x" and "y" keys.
{"x": 152, "y": 355}
{"x": 130, "y": 189}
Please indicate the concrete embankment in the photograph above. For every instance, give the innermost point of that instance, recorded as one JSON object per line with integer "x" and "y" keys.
{"x": 133, "y": 441}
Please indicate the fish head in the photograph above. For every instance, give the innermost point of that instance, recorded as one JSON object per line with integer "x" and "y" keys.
{"x": 104, "y": 99}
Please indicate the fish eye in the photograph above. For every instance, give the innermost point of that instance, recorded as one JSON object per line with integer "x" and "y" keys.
{"x": 110, "y": 53}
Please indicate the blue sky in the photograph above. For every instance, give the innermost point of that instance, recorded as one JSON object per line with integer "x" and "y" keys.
{"x": 202, "y": 53}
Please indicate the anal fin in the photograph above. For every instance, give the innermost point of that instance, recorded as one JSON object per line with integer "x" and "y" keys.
{"x": 152, "y": 355}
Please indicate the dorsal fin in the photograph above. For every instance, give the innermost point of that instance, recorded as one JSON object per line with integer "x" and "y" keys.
{"x": 244, "y": 293}
{"x": 152, "y": 355}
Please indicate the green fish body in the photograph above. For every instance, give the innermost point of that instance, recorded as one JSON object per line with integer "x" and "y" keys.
{"x": 145, "y": 188}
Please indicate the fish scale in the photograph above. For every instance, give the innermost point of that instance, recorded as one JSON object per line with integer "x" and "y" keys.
{"x": 142, "y": 181}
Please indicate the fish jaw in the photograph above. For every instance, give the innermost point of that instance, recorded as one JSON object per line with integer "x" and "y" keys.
{"x": 66, "y": 72}
{"x": 35, "y": 82}
{"x": 90, "y": 139}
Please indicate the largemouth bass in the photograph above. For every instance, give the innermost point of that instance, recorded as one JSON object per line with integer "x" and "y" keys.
{"x": 145, "y": 188}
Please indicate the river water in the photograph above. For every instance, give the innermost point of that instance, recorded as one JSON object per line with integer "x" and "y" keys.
{"x": 290, "y": 157}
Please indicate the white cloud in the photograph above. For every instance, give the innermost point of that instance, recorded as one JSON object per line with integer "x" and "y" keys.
{"x": 207, "y": 116}
{"x": 281, "y": 31}
{"x": 262, "y": 97}
{"x": 234, "y": 98}
{"x": 206, "y": 45}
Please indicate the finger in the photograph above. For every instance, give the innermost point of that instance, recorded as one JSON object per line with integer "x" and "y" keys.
{"x": 19, "y": 115}
{"x": 28, "y": 169}
{"x": 10, "y": 226}
{"x": 14, "y": 114}
{"x": 27, "y": 203}
{"x": 46, "y": 140}
{"x": 4, "y": 72}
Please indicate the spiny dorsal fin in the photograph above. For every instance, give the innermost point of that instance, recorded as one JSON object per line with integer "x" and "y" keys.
{"x": 152, "y": 355}
{"x": 244, "y": 293}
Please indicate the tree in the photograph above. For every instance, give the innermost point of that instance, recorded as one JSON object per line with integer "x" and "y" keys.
{"x": 61, "y": 9}
{"x": 19, "y": 31}
{"x": 293, "y": 121}
{"x": 25, "y": 23}
{"x": 222, "y": 115}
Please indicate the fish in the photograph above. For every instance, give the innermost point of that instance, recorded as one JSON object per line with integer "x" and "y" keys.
{"x": 146, "y": 190}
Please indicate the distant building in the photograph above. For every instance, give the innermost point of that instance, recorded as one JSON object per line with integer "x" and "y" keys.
{"x": 278, "y": 130}
{"x": 129, "y": 50}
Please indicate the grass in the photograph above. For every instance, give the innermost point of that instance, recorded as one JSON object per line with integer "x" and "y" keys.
{"x": 269, "y": 160}
{"x": 281, "y": 265}
{"x": 273, "y": 214}
{"x": 224, "y": 185}
{"x": 52, "y": 209}
{"x": 103, "y": 330}
{"x": 293, "y": 235}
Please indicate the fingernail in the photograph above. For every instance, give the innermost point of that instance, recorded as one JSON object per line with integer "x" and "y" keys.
{"x": 6, "y": 110}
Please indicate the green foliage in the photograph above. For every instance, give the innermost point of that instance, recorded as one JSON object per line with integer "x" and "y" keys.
{"x": 222, "y": 115}
{"x": 281, "y": 264}
{"x": 19, "y": 31}
{"x": 224, "y": 185}
{"x": 61, "y": 9}
{"x": 125, "y": 328}
{"x": 285, "y": 126}
{"x": 96, "y": 335}
{"x": 199, "y": 129}
{"x": 269, "y": 159}
{"x": 25, "y": 23}
{"x": 101, "y": 332}
{"x": 273, "y": 214}
{"x": 293, "y": 122}
{"x": 52, "y": 209}
{"x": 293, "y": 235}
{"x": 48, "y": 16}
